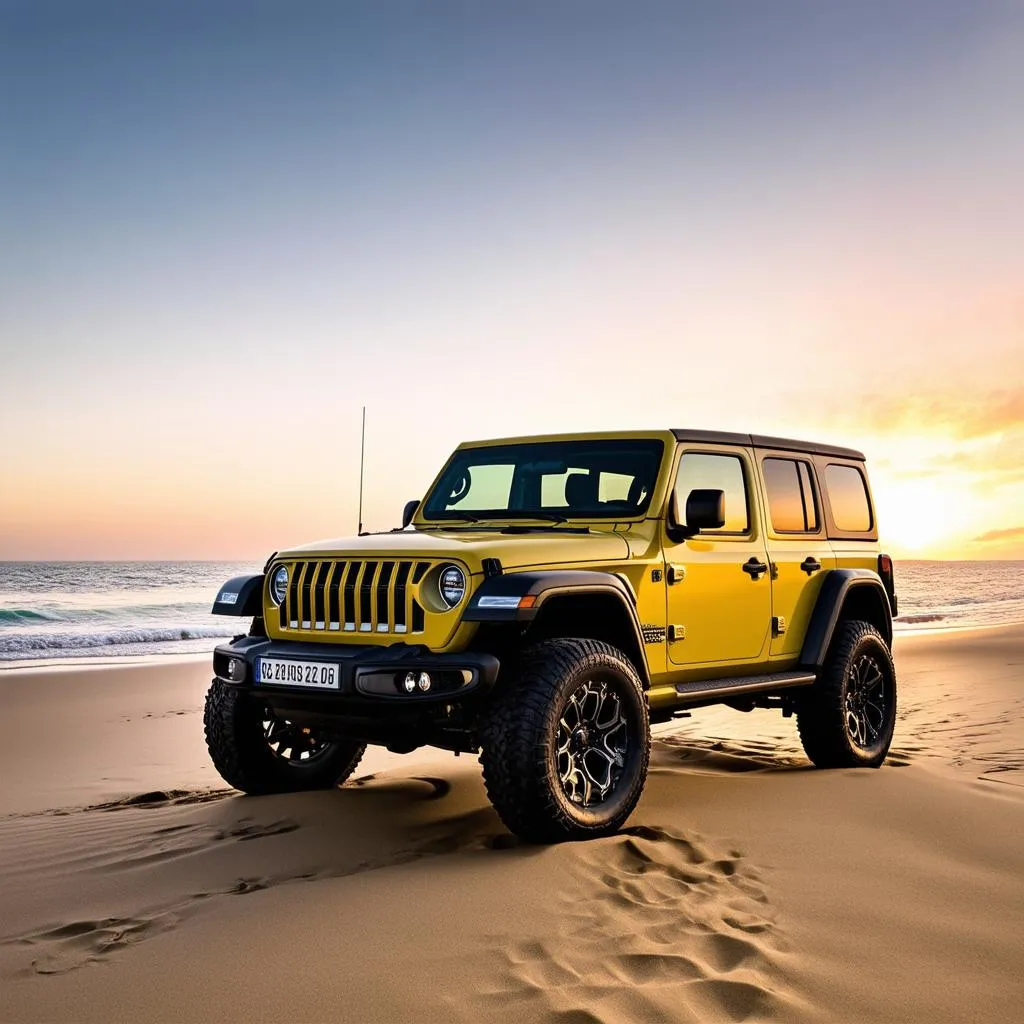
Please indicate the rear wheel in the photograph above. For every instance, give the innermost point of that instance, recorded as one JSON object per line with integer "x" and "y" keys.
{"x": 566, "y": 743}
{"x": 257, "y": 752}
{"x": 848, "y": 718}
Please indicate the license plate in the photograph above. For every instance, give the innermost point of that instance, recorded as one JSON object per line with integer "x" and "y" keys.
{"x": 317, "y": 675}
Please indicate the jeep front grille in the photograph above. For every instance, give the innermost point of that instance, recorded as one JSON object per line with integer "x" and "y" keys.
{"x": 353, "y": 597}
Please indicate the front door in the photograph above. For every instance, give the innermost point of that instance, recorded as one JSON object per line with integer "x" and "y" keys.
{"x": 718, "y": 603}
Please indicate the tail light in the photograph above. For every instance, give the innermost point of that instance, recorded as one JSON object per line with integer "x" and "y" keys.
{"x": 885, "y": 570}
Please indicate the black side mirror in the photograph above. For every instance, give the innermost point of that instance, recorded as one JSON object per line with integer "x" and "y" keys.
{"x": 705, "y": 510}
{"x": 409, "y": 511}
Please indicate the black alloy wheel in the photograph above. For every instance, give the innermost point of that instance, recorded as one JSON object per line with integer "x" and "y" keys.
{"x": 866, "y": 702}
{"x": 293, "y": 743}
{"x": 592, "y": 743}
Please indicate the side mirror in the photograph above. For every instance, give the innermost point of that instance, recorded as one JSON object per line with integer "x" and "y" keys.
{"x": 705, "y": 510}
{"x": 409, "y": 511}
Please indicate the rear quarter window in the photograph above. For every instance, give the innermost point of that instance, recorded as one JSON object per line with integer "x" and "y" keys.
{"x": 791, "y": 503}
{"x": 848, "y": 497}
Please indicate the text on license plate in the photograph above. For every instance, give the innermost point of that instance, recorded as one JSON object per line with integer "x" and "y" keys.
{"x": 286, "y": 672}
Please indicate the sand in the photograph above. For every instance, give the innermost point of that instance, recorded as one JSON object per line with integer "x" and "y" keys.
{"x": 747, "y": 886}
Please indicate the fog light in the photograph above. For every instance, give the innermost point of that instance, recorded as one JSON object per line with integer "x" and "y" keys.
{"x": 409, "y": 685}
{"x": 424, "y": 681}
{"x": 236, "y": 669}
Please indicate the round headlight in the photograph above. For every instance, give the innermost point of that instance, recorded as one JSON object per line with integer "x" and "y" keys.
{"x": 452, "y": 585}
{"x": 279, "y": 584}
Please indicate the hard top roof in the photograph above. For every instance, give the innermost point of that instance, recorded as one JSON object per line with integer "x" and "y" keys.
{"x": 764, "y": 441}
{"x": 681, "y": 435}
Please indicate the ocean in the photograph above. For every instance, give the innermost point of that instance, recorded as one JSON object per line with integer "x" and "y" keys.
{"x": 51, "y": 610}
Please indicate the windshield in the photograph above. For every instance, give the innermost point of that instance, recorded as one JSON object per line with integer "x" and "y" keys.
{"x": 553, "y": 480}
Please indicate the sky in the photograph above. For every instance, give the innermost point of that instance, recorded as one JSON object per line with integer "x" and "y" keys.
{"x": 226, "y": 227}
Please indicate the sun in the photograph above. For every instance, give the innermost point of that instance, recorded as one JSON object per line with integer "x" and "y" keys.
{"x": 919, "y": 515}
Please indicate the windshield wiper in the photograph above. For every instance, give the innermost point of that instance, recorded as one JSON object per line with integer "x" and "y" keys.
{"x": 548, "y": 517}
{"x": 461, "y": 517}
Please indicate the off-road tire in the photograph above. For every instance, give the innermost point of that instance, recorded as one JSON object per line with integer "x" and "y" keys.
{"x": 518, "y": 740}
{"x": 235, "y": 739}
{"x": 822, "y": 715}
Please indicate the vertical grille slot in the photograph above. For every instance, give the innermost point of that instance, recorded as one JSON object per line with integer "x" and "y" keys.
{"x": 417, "y": 617}
{"x": 400, "y": 618}
{"x": 297, "y": 612}
{"x": 364, "y": 597}
{"x": 387, "y": 570}
{"x": 317, "y": 597}
{"x": 349, "y": 593}
{"x": 334, "y": 619}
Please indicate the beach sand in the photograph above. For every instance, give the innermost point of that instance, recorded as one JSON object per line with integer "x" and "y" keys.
{"x": 747, "y": 886}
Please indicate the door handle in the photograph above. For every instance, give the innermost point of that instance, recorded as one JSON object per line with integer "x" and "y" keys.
{"x": 810, "y": 565}
{"x": 755, "y": 568}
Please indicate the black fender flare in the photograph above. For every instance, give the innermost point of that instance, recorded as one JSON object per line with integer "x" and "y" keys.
{"x": 241, "y": 595}
{"x": 835, "y": 590}
{"x": 499, "y": 599}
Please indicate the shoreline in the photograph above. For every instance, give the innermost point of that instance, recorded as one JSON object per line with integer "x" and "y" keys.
{"x": 75, "y": 662}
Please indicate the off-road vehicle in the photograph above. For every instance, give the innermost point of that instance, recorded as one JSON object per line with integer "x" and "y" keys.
{"x": 553, "y": 596}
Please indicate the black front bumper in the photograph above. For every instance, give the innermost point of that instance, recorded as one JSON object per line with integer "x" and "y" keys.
{"x": 370, "y": 677}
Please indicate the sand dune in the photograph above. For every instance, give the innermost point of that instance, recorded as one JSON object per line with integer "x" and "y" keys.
{"x": 746, "y": 887}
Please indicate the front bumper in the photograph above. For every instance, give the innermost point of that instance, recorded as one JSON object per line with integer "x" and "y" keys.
{"x": 368, "y": 676}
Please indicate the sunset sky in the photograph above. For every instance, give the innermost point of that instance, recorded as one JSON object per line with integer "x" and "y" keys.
{"x": 227, "y": 226}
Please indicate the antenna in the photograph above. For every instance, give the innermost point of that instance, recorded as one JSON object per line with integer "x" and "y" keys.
{"x": 362, "y": 461}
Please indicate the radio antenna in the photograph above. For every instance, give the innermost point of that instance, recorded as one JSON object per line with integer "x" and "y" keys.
{"x": 362, "y": 461}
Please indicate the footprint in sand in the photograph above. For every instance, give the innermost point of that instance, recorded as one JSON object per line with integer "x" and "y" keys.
{"x": 72, "y": 945}
{"x": 661, "y": 926}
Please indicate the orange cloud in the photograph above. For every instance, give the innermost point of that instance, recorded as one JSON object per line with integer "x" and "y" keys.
{"x": 964, "y": 416}
{"x": 994, "y": 536}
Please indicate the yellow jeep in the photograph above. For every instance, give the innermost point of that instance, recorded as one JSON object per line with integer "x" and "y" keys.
{"x": 553, "y": 596}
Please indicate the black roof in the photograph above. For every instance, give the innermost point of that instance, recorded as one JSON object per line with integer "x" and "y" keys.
{"x": 762, "y": 441}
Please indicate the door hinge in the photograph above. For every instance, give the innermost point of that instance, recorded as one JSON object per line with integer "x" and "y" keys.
{"x": 778, "y": 625}
{"x": 676, "y": 574}
{"x": 773, "y": 571}
{"x": 676, "y": 633}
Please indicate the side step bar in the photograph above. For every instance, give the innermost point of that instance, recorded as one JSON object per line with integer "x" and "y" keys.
{"x": 735, "y": 686}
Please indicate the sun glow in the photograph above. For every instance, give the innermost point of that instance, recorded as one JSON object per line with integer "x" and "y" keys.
{"x": 916, "y": 515}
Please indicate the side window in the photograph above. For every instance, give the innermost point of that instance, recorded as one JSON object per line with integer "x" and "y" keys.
{"x": 699, "y": 470}
{"x": 849, "y": 498}
{"x": 810, "y": 496}
{"x": 791, "y": 504}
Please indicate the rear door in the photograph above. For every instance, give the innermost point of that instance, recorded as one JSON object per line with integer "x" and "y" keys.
{"x": 718, "y": 610}
{"x": 797, "y": 545}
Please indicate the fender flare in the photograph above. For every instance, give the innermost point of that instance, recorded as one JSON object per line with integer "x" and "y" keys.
{"x": 241, "y": 595}
{"x": 499, "y": 599}
{"x": 834, "y": 591}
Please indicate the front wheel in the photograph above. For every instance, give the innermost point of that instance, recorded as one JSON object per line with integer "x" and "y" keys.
{"x": 565, "y": 745}
{"x": 847, "y": 719}
{"x": 257, "y": 752}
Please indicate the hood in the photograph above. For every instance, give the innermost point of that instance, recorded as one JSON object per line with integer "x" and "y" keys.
{"x": 471, "y": 547}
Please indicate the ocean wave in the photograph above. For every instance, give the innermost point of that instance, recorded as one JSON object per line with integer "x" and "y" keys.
{"x": 21, "y": 616}
{"x": 913, "y": 619}
{"x": 70, "y": 613}
{"x": 28, "y": 643}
